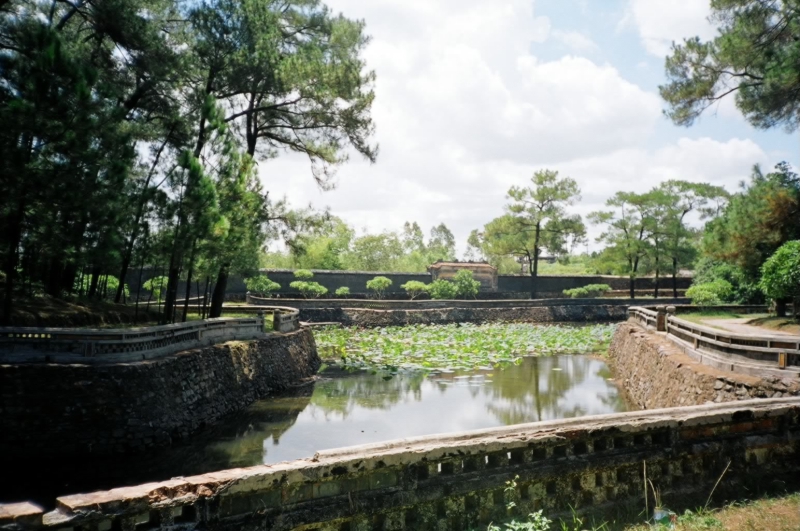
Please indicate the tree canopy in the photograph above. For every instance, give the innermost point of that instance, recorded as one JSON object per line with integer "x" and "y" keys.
{"x": 135, "y": 129}
{"x": 754, "y": 56}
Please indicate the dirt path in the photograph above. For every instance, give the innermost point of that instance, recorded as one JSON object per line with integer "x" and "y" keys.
{"x": 740, "y": 326}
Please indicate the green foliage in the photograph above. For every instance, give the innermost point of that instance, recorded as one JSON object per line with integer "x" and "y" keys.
{"x": 344, "y": 291}
{"x": 711, "y": 293}
{"x": 261, "y": 285}
{"x": 156, "y": 286}
{"x": 309, "y": 289}
{"x": 744, "y": 291}
{"x": 415, "y": 288}
{"x": 753, "y": 54}
{"x": 137, "y": 125}
{"x": 442, "y": 289}
{"x": 379, "y": 285}
{"x": 111, "y": 283}
{"x": 466, "y": 286}
{"x": 588, "y": 291}
{"x": 456, "y": 346}
{"x": 780, "y": 274}
{"x": 760, "y": 218}
{"x": 303, "y": 274}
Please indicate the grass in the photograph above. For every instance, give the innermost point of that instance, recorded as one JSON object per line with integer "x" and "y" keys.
{"x": 780, "y": 513}
{"x": 701, "y": 317}
{"x": 457, "y": 346}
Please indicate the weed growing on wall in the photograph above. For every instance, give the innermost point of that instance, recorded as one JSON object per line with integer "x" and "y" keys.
{"x": 456, "y": 346}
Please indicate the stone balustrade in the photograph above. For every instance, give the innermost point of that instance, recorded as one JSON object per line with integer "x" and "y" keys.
{"x": 100, "y": 346}
{"x": 594, "y": 465}
{"x": 763, "y": 355}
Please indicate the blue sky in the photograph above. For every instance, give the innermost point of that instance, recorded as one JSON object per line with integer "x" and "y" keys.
{"x": 473, "y": 96}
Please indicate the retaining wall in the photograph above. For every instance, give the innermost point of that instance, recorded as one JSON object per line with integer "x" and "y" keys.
{"x": 657, "y": 374}
{"x": 129, "y": 407}
{"x": 593, "y": 465}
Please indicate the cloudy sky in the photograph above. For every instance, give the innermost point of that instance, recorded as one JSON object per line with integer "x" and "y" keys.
{"x": 473, "y": 96}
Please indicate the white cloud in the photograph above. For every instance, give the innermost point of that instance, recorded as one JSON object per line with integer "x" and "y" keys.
{"x": 578, "y": 42}
{"x": 662, "y": 22}
{"x": 463, "y": 111}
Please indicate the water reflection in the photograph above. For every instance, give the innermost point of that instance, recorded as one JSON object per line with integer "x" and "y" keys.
{"x": 343, "y": 409}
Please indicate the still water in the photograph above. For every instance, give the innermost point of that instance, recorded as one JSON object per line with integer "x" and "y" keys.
{"x": 343, "y": 409}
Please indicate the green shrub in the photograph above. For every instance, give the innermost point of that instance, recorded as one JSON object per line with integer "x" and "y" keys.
{"x": 745, "y": 290}
{"x": 309, "y": 289}
{"x": 442, "y": 289}
{"x": 344, "y": 291}
{"x": 112, "y": 283}
{"x": 415, "y": 288}
{"x": 780, "y": 274}
{"x": 156, "y": 286}
{"x": 379, "y": 285}
{"x": 588, "y": 291}
{"x": 710, "y": 293}
{"x": 303, "y": 274}
{"x": 466, "y": 286}
{"x": 261, "y": 285}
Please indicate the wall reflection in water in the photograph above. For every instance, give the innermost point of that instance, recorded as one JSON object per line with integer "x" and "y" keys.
{"x": 357, "y": 408}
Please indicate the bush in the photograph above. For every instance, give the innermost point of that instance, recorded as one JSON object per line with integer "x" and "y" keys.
{"x": 303, "y": 274}
{"x": 309, "y": 289}
{"x": 156, "y": 286}
{"x": 415, "y": 288}
{"x": 710, "y": 293}
{"x": 112, "y": 283}
{"x": 588, "y": 291}
{"x": 379, "y": 285}
{"x": 261, "y": 285}
{"x": 745, "y": 290}
{"x": 780, "y": 274}
{"x": 442, "y": 289}
{"x": 466, "y": 286}
{"x": 344, "y": 291}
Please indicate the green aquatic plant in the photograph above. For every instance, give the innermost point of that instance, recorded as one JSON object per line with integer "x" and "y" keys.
{"x": 456, "y": 346}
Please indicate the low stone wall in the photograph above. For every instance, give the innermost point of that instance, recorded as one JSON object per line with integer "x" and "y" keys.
{"x": 539, "y": 314}
{"x": 657, "y": 374}
{"x": 594, "y": 465}
{"x": 76, "y": 409}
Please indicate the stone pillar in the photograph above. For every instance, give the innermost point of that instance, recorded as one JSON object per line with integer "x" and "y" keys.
{"x": 661, "y": 319}
{"x": 260, "y": 316}
{"x": 670, "y": 313}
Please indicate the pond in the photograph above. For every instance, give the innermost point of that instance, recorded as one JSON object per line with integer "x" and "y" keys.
{"x": 346, "y": 406}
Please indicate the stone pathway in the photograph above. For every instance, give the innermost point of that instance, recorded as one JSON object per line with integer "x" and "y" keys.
{"x": 740, "y": 326}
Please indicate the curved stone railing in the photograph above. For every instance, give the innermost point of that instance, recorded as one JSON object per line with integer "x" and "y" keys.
{"x": 759, "y": 355}
{"x": 97, "y": 346}
{"x": 644, "y": 316}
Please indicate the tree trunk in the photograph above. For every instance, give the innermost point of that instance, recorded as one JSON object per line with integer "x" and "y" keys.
{"x": 219, "y": 292}
{"x": 535, "y": 264}
{"x": 15, "y": 234}
{"x": 128, "y": 254}
{"x": 632, "y": 287}
{"x": 205, "y": 298}
{"x": 94, "y": 282}
{"x": 780, "y": 307}
{"x": 674, "y": 278}
{"x": 655, "y": 290}
{"x": 189, "y": 283}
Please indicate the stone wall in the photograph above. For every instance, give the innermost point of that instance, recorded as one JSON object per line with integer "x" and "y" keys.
{"x": 594, "y": 465}
{"x": 657, "y": 374}
{"x": 541, "y": 314}
{"x": 547, "y": 286}
{"x": 76, "y": 409}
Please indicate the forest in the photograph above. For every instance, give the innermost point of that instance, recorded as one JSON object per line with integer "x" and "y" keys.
{"x": 133, "y": 129}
